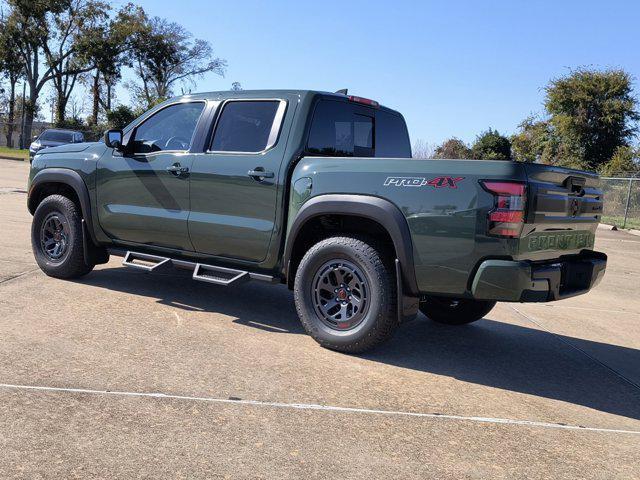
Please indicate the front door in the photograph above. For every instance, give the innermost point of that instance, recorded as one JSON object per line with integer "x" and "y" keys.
{"x": 234, "y": 185}
{"x": 143, "y": 193}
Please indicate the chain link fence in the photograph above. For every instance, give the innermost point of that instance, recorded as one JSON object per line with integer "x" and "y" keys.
{"x": 621, "y": 201}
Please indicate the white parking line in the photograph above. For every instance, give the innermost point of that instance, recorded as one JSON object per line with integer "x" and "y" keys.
{"x": 325, "y": 408}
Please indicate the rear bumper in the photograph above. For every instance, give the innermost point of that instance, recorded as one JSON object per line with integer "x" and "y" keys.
{"x": 522, "y": 281}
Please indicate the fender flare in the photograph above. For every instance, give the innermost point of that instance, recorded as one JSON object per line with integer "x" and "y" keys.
{"x": 73, "y": 180}
{"x": 374, "y": 208}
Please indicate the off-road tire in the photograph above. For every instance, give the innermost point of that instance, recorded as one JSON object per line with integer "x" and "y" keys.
{"x": 377, "y": 272}
{"x": 455, "y": 311}
{"x": 72, "y": 263}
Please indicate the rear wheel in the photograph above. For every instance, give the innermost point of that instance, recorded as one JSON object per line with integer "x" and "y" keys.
{"x": 345, "y": 294}
{"x": 455, "y": 311}
{"x": 56, "y": 238}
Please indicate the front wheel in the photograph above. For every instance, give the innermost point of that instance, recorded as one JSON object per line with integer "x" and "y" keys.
{"x": 56, "y": 238}
{"x": 345, "y": 294}
{"x": 455, "y": 311}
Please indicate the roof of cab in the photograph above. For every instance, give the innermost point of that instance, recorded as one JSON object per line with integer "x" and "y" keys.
{"x": 225, "y": 94}
{"x": 248, "y": 93}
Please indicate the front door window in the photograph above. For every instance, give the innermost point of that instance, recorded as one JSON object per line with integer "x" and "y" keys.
{"x": 170, "y": 129}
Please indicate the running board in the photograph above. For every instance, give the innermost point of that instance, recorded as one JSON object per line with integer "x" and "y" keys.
{"x": 219, "y": 275}
{"x": 146, "y": 263}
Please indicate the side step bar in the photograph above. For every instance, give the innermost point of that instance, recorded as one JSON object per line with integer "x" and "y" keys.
{"x": 219, "y": 275}
{"x": 145, "y": 262}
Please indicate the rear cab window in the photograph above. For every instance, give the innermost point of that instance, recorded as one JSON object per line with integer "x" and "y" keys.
{"x": 346, "y": 129}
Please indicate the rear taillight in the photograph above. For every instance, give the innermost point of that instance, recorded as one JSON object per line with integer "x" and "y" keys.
{"x": 506, "y": 219}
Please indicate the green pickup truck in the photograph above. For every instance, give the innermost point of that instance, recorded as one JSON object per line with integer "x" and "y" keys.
{"x": 318, "y": 191}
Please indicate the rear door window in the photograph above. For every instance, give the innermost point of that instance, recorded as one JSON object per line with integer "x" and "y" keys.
{"x": 247, "y": 126}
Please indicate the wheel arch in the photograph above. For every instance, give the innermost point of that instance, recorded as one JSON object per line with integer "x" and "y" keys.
{"x": 367, "y": 212}
{"x": 66, "y": 182}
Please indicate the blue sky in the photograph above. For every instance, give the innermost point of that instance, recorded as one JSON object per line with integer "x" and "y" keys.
{"x": 452, "y": 68}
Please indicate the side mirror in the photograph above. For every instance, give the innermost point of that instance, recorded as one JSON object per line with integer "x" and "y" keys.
{"x": 113, "y": 139}
{"x": 35, "y": 137}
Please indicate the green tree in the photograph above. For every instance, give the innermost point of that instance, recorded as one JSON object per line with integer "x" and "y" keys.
{"x": 535, "y": 141}
{"x": 622, "y": 162}
{"x": 46, "y": 32}
{"x": 121, "y": 116}
{"x": 490, "y": 145}
{"x": 73, "y": 27}
{"x": 592, "y": 113}
{"x": 165, "y": 55}
{"x": 453, "y": 148}
{"x": 105, "y": 45}
{"x": 12, "y": 67}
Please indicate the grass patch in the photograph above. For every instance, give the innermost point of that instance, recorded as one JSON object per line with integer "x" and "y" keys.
{"x": 14, "y": 153}
{"x": 632, "y": 222}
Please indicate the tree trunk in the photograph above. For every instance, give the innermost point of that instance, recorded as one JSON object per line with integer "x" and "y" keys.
{"x": 61, "y": 107}
{"x": 108, "y": 96}
{"x": 96, "y": 98}
{"x": 29, "y": 112}
{"x": 60, "y": 113}
{"x": 11, "y": 118}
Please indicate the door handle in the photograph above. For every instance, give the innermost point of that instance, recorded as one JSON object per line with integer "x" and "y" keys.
{"x": 177, "y": 169}
{"x": 260, "y": 174}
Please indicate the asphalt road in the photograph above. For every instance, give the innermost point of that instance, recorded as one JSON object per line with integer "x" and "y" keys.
{"x": 125, "y": 375}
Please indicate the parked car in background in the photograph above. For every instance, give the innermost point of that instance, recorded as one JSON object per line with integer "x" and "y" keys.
{"x": 53, "y": 137}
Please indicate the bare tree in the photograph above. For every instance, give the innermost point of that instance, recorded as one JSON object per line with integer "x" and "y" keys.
{"x": 422, "y": 149}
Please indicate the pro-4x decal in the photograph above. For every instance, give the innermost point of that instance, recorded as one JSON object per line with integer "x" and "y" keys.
{"x": 437, "y": 182}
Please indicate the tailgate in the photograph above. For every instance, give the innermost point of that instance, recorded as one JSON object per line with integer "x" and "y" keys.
{"x": 563, "y": 212}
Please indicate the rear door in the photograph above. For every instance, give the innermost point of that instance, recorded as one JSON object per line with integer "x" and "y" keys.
{"x": 143, "y": 193}
{"x": 234, "y": 184}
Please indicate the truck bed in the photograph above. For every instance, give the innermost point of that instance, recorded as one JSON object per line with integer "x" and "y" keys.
{"x": 446, "y": 209}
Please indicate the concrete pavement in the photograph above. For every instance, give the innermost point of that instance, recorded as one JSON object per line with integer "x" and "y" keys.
{"x": 575, "y": 363}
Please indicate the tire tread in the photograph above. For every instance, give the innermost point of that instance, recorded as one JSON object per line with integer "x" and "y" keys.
{"x": 74, "y": 265}
{"x": 368, "y": 250}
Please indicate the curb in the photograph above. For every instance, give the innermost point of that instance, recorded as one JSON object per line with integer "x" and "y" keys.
{"x": 632, "y": 231}
{"x": 16, "y": 159}
{"x": 605, "y": 226}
